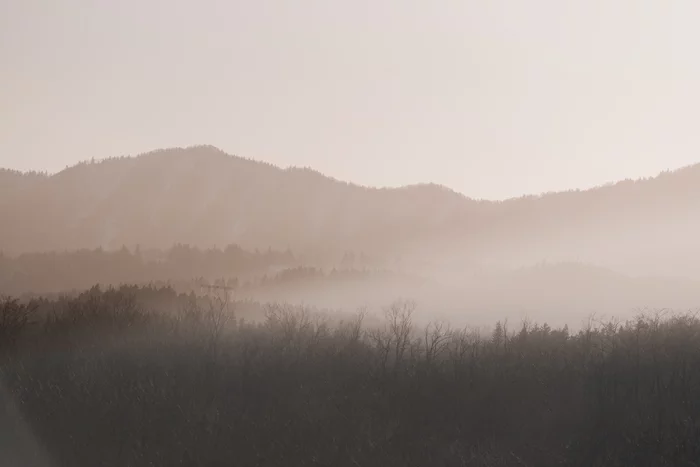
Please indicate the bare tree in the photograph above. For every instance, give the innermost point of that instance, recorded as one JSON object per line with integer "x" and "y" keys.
{"x": 220, "y": 313}
{"x": 436, "y": 339}
{"x": 399, "y": 317}
{"x": 382, "y": 341}
{"x": 355, "y": 326}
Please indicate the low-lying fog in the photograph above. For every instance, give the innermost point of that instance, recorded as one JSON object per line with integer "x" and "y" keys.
{"x": 298, "y": 236}
{"x": 559, "y": 294}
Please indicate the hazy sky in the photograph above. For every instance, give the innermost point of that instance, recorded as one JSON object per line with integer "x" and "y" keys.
{"x": 492, "y": 98}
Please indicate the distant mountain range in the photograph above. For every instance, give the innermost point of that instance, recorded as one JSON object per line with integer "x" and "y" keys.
{"x": 204, "y": 197}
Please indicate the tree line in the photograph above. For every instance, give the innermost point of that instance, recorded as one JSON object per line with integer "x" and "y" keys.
{"x": 107, "y": 379}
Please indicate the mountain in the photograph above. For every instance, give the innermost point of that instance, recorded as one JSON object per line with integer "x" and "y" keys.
{"x": 202, "y": 196}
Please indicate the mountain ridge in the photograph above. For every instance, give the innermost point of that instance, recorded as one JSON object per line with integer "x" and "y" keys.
{"x": 202, "y": 196}
{"x": 421, "y": 185}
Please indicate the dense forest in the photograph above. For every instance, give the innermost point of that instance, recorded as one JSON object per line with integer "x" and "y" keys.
{"x": 183, "y": 267}
{"x": 52, "y": 272}
{"x": 109, "y": 378}
{"x": 560, "y": 292}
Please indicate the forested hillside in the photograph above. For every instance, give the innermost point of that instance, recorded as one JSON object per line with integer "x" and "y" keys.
{"x": 204, "y": 197}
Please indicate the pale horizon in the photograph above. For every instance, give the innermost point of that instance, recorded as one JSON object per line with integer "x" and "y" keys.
{"x": 493, "y": 100}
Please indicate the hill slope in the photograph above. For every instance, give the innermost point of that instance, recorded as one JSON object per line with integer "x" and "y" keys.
{"x": 205, "y": 197}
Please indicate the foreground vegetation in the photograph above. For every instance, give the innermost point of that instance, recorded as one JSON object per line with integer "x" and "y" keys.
{"x": 107, "y": 378}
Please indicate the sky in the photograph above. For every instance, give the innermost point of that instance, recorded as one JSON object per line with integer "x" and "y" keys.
{"x": 494, "y": 98}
